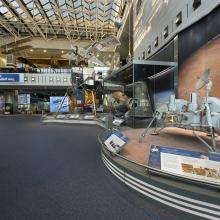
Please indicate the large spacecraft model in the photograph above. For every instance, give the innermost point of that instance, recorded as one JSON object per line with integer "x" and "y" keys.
{"x": 194, "y": 115}
{"x": 119, "y": 102}
{"x": 139, "y": 106}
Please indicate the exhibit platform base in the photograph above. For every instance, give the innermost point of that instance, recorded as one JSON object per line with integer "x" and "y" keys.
{"x": 191, "y": 195}
{"x": 88, "y": 119}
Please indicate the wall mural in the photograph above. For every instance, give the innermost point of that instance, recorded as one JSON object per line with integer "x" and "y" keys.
{"x": 199, "y": 50}
{"x": 207, "y": 57}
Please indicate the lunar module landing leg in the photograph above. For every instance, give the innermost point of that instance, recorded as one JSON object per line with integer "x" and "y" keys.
{"x": 61, "y": 104}
{"x": 154, "y": 119}
{"x": 212, "y": 147}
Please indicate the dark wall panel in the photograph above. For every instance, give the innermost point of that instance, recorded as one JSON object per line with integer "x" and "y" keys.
{"x": 197, "y": 35}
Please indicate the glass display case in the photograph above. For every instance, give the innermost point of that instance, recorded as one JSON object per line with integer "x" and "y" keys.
{"x": 134, "y": 91}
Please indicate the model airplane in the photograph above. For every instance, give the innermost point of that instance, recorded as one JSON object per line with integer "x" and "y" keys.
{"x": 78, "y": 53}
{"x": 204, "y": 117}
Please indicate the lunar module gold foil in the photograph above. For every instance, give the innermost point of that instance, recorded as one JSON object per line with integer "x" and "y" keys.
{"x": 89, "y": 98}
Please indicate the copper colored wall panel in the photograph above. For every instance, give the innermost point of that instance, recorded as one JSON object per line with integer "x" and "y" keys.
{"x": 208, "y": 56}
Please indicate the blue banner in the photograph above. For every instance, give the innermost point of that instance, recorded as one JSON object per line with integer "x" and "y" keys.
{"x": 11, "y": 77}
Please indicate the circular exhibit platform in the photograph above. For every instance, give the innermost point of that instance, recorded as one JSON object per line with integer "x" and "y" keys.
{"x": 171, "y": 137}
{"x": 192, "y": 197}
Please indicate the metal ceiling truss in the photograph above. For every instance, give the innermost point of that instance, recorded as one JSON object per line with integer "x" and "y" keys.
{"x": 72, "y": 19}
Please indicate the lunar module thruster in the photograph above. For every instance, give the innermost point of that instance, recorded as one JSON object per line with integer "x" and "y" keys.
{"x": 201, "y": 116}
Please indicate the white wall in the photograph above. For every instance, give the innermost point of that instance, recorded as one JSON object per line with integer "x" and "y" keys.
{"x": 155, "y": 15}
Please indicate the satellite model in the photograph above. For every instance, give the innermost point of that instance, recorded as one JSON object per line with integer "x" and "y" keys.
{"x": 204, "y": 116}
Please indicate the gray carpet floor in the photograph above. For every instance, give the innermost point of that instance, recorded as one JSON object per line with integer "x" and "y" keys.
{"x": 54, "y": 172}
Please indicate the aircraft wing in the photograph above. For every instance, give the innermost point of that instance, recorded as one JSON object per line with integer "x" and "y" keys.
{"x": 105, "y": 44}
{"x": 69, "y": 56}
{"x": 96, "y": 61}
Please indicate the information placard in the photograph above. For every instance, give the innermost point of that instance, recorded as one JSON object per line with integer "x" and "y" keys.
{"x": 55, "y": 102}
{"x": 185, "y": 162}
{"x": 23, "y": 99}
{"x": 115, "y": 141}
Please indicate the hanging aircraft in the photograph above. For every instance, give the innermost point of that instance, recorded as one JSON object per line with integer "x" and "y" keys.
{"x": 85, "y": 55}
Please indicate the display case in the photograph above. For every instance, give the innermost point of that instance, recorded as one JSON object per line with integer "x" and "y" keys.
{"x": 138, "y": 88}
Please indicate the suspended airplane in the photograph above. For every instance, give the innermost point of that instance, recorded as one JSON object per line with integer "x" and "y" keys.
{"x": 80, "y": 54}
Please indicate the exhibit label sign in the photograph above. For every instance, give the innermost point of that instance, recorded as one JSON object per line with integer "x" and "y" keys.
{"x": 187, "y": 163}
{"x": 55, "y": 102}
{"x": 116, "y": 141}
{"x": 11, "y": 78}
{"x": 24, "y": 99}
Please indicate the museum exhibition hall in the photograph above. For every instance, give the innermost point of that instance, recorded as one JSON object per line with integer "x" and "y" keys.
{"x": 109, "y": 109}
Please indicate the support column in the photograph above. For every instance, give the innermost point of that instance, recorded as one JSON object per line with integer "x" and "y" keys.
{"x": 11, "y": 101}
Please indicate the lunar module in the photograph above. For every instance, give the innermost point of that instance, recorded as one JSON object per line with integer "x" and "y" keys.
{"x": 194, "y": 115}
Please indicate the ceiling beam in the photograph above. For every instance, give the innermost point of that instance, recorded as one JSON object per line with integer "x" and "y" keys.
{"x": 15, "y": 14}
{"x": 68, "y": 9}
{"x": 96, "y": 18}
{"x": 75, "y": 17}
{"x": 84, "y": 18}
{"x": 41, "y": 9}
{"x": 56, "y": 19}
{"x": 71, "y": 28}
{"x": 30, "y": 17}
{"x": 56, "y": 8}
{"x": 8, "y": 28}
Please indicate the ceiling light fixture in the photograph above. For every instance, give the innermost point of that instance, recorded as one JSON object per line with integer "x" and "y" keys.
{"x": 45, "y": 51}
